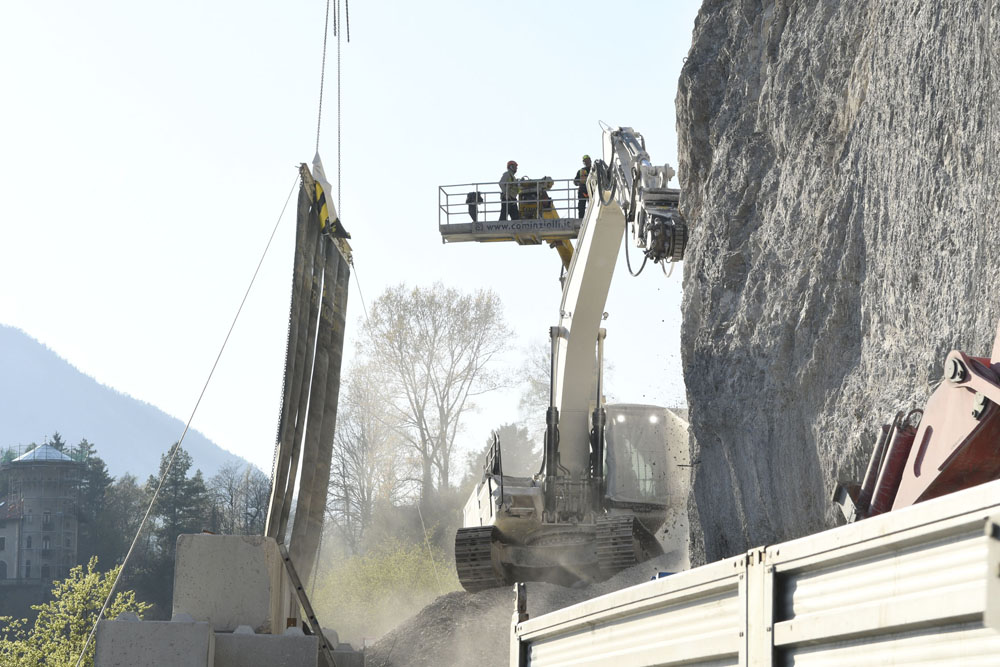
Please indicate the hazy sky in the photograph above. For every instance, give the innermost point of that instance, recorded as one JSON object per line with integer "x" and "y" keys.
{"x": 146, "y": 150}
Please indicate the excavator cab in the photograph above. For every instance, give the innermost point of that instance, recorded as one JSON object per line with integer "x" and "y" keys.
{"x": 642, "y": 474}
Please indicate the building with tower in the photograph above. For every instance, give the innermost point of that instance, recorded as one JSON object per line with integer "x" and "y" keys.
{"x": 39, "y": 524}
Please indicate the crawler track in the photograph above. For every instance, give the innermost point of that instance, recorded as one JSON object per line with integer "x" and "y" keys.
{"x": 474, "y": 559}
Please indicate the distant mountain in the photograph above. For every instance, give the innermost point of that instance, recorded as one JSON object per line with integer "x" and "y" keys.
{"x": 41, "y": 393}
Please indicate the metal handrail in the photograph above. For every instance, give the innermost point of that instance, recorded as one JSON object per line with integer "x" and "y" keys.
{"x": 533, "y": 201}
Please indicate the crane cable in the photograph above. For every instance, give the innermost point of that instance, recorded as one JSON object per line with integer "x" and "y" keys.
{"x": 322, "y": 74}
{"x": 337, "y": 31}
{"x": 187, "y": 426}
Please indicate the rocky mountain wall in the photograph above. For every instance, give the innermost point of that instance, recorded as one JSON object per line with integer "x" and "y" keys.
{"x": 838, "y": 164}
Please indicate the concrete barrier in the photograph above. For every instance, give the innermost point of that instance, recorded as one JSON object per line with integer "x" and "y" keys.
{"x": 243, "y": 648}
{"x": 232, "y": 580}
{"x": 129, "y": 642}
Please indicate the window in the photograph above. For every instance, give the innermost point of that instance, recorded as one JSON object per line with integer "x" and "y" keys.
{"x": 45, "y": 542}
{"x": 3, "y": 569}
{"x": 45, "y": 571}
{"x": 3, "y": 544}
{"x": 27, "y": 542}
{"x": 46, "y": 519}
{"x": 27, "y": 569}
{"x": 69, "y": 542}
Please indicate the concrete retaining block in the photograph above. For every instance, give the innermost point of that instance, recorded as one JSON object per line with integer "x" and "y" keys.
{"x": 240, "y": 649}
{"x": 232, "y": 580}
{"x": 129, "y": 642}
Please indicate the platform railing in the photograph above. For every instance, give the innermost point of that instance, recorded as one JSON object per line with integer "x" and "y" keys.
{"x": 458, "y": 202}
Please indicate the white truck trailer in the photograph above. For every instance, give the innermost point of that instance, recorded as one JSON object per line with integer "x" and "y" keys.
{"x": 919, "y": 585}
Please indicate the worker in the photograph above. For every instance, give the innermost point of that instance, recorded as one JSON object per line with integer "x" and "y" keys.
{"x": 473, "y": 199}
{"x": 508, "y": 193}
{"x": 580, "y": 180}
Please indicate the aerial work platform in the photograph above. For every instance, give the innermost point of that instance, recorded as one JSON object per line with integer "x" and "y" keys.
{"x": 548, "y": 211}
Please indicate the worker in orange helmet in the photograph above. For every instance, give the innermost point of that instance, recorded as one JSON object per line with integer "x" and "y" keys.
{"x": 580, "y": 180}
{"x": 508, "y": 193}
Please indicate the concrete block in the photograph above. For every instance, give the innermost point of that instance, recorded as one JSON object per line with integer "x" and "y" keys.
{"x": 348, "y": 657}
{"x": 129, "y": 642}
{"x": 232, "y": 580}
{"x": 249, "y": 650}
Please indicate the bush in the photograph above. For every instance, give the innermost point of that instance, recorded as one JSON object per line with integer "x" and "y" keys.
{"x": 366, "y": 596}
{"x": 63, "y": 624}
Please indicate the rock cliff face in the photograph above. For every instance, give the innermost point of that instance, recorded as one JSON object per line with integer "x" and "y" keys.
{"x": 838, "y": 160}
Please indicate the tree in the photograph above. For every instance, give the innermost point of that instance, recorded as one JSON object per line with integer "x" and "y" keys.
{"x": 256, "y": 498}
{"x": 125, "y": 503}
{"x": 435, "y": 345}
{"x": 534, "y": 377}
{"x": 182, "y": 505}
{"x": 239, "y": 495}
{"x": 56, "y": 442}
{"x": 94, "y": 484}
{"x": 62, "y": 625}
{"x": 520, "y": 455}
{"x": 369, "y": 465}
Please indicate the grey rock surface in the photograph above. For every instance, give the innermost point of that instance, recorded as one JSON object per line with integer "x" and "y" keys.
{"x": 837, "y": 160}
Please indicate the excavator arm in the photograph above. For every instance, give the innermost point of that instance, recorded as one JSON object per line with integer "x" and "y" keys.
{"x": 626, "y": 190}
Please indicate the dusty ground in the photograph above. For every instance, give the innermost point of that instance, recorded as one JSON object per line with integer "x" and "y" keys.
{"x": 473, "y": 629}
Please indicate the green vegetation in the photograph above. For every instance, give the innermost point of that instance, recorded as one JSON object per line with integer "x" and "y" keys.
{"x": 368, "y": 595}
{"x": 62, "y": 625}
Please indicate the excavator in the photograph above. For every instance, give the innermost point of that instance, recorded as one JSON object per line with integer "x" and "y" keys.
{"x": 953, "y": 443}
{"x": 610, "y": 474}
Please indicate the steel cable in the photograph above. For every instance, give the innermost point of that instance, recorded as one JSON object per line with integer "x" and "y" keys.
{"x": 340, "y": 210}
{"x": 322, "y": 74}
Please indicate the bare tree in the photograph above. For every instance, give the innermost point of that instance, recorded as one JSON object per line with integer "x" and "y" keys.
{"x": 435, "y": 345}
{"x": 256, "y": 496}
{"x": 224, "y": 490}
{"x": 520, "y": 454}
{"x": 239, "y": 495}
{"x": 369, "y": 464}
{"x": 533, "y": 377}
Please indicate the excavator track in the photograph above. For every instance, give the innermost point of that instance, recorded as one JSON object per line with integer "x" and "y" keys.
{"x": 474, "y": 558}
{"x": 616, "y": 548}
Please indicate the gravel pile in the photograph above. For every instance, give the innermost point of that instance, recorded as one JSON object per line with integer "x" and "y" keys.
{"x": 473, "y": 629}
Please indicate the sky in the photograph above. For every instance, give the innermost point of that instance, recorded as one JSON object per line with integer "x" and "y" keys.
{"x": 146, "y": 151}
